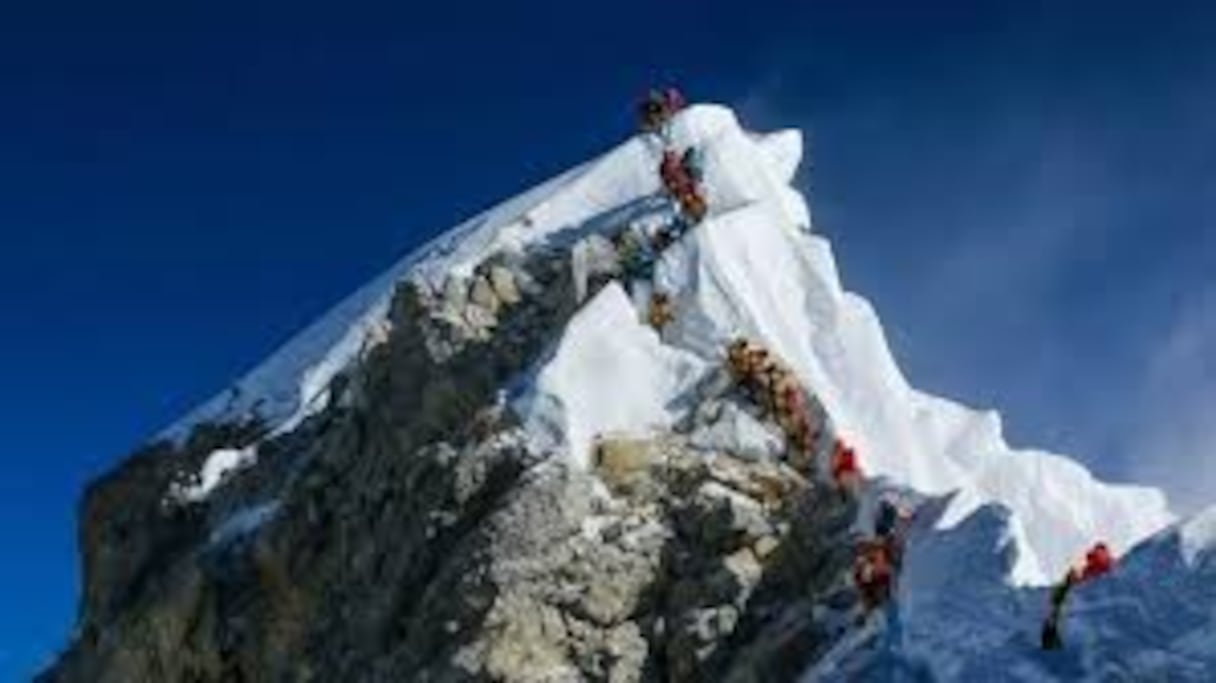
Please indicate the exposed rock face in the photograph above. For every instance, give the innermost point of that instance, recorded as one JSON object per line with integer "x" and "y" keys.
{"x": 408, "y": 533}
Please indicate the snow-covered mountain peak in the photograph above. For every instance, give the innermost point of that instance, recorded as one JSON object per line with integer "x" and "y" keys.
{"x": 995, "y": 525}
{"x": 753, "y": 268}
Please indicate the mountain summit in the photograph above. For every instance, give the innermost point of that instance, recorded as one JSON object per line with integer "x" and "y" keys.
{"x": 521, "y": 454}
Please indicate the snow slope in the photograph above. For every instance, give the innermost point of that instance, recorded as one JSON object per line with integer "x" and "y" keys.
{"x": 1010, "y": 520}
{"x": 959, "y": 619}
{"x": 609, "y": 374}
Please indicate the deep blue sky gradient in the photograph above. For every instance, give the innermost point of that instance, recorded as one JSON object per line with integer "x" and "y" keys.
{"x": 1026, "y": 192}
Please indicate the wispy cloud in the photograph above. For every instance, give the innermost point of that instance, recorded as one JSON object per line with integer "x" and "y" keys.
{"x": 1173, "y": 437}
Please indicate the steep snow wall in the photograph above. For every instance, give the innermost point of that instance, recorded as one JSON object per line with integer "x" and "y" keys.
{"x": 609, "y": 374}
{"x": 753, "y": 268}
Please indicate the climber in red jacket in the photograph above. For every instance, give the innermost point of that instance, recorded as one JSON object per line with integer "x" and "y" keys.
{"x": 675, "y": 177}
{"x": 1098, "y": 562}
{"x": 680, "y": 183}
{"x": 846, "y": 473}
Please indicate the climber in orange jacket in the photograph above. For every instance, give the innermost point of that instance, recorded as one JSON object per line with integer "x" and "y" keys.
{"x": 693, "y": 206}
{"x": 662, "y": 310}
{"x": 1098, "y": 561}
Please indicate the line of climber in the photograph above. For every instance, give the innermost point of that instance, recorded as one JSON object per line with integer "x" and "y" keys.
{"x": 637, "y": 255}
{"x": 680, "y": 171}
{"x": 775, "y": 389}
{"x": 772, "y": 386}
{"x": 681, "y": 176}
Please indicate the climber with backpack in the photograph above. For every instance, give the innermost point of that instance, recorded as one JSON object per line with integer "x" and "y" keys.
{"x": 879, "y": 559}
{"x": 693, "y": 206}
{"x": 1097, "y": 562}
{"x": 658, "y": 107}
{"x": 873, "y": 574}
{"x": 632, "y": 255}
{"x": 663, "y": 238}
{"x": 680, "y": 175}
{"x": 736, "y": 358}
{"x": 846, "y": 474}
{"x": 674, "y": 175}
{"x": 693, "y": 165}
{"x": 661, "y": 310}
{"x": 802, "y": 437}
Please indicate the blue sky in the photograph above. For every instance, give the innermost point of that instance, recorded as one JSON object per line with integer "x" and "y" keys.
{"x": 1027, "y": 192}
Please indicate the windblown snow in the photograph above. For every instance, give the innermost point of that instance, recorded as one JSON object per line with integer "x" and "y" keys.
{"x": 218, "y": 465}
{"x": 1009, "y": 521}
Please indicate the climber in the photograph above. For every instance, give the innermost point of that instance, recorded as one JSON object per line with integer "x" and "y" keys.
{"x": 891, "y": 523}
{"x": 674, "y": 99}
{"x": 891, "y": 518}
{"x": 635, "y": 262}
{"x": 846, "y": 474}
{"x": 657, "y": 108}
{"x": 880, "y": 558}
{"x": 736, "y": 358}
{"x": 789, "y": 404}
{"x": 693, "y": 206}
{"x": 873, "y": 574}
{"x": 763, "y": 373}
{"x": 660, "y": 312}
{"x": 666, "y": 236}
{"x": 1098, "y": 561}
{"x": 680, "y": 183}
{"x": 802, "y": 437}
{"x": 693, "y": 164}
{"x": 676, "y": 180}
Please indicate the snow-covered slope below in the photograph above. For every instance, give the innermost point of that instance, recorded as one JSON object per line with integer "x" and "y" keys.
{"x": 1150, "y": 620}
{"x": 1010, "y": 520}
